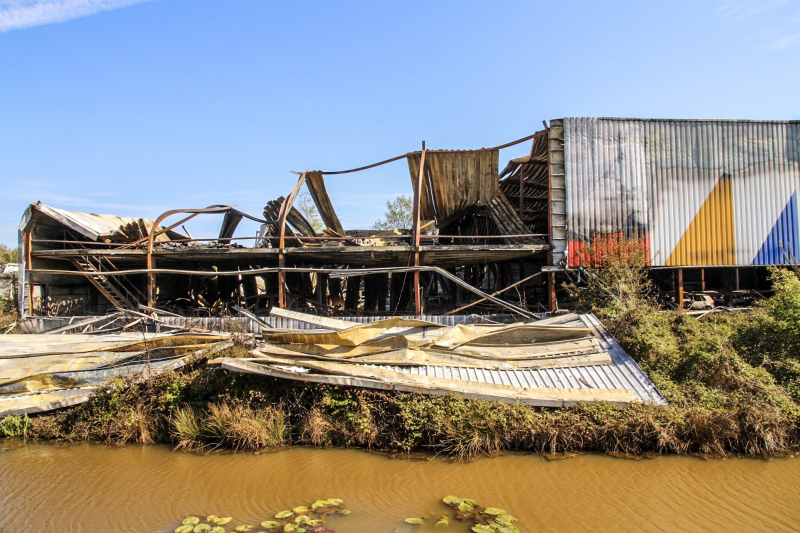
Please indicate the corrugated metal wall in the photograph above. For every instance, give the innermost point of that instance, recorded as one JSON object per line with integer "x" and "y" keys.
{"x": 696, "y": 192}
{"x": 41, "y": 324}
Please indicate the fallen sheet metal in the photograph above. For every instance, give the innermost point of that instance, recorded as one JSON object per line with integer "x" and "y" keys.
{"x": 43, "y": 372}
{"x": 514, "y": 363}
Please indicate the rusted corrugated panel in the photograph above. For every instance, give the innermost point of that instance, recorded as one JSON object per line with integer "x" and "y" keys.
{"x": 454, "y": 181}
{"x": 696, "y": 192}
{"x": 316, "y": 186}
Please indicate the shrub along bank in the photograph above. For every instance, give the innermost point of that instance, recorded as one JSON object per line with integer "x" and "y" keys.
{"x": 732, "y": 380}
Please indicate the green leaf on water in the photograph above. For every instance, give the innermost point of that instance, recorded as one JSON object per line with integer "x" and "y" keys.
{"x": 289, "y": 528}
{"x": 444, "y": 522}
{"x": 480, "y": 528}
{"x": 414, "y": 520}
{"x": 505, "y": 519}
{"x": 284, "y": 514}
{"x": 452, "y": 500}
{"x": 508, "y": 529}
{"x": 212, "y": 518}
{"x": 465, "y": 507}
{"x": 191, "y": 521}
{"x": 300, "y": 509}
{"x": 494, "y": 511}
{"x": 222, "y": 520}
{"x": 184, "y": 528}
{"x": 336, "y": 501}
{"x": 217, "y": 529}
{"x": 202, "y": 528}
{"x": 318, "y": 504}
{"x": 270, "y": 524}
{"x": 302, "y": 519}
{"x": 244, "y": 528}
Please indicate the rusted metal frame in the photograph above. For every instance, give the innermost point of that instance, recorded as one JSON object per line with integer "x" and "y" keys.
{"x": 678, "y": 278}
{"x": 318, "y": 238}
{"x": 551, "y": 276}
{"x": 522, "y": 181}
{"x": 332, "y": 271}
{"x": 99, "y": 286}
{"x": 27, "y": 237}
{"x": 282, "y": 214}
{"x": 416, "y": 213}
{"x": 151, "y": 264}
{"x": 493, "y": 294}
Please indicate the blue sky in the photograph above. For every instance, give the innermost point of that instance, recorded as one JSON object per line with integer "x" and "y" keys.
{"x": 135, "y": 107}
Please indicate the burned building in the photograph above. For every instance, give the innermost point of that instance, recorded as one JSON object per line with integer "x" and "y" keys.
{"x": 710, "y": 201}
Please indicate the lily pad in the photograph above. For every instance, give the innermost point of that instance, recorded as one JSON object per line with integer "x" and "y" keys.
{"x": 191, "y": 521}
{"x": 222, "y": 520}
{"x": 284, "y": 514}
{"x": 243, "y": 528}
{"x": 480, "y": 528}
{"x": 444, "y": 522}
{"x": 318, "y": 504}
{"x": 302, "y": 519}
{"x": 301, "y": 509}
{"x": 270, "y": 524}
{"x": 414, "y": 520}
{"x": 508, "y": 529}
{"x": 505, "y": 519}
{"x": 217, "y": 529}
{"x": 212, "y": 518}
{"x": 202, "y": 528}
{"x": 289, "y": 528}
{"x": 336, "y": 501}
{"x": 494, "y": 511}
{"x": 452, "y": 500}
{"x": 184, "y": 529}
{"x": 465, "y": 507}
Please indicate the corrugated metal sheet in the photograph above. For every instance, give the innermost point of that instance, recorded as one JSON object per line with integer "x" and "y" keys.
{"x": 42, "y": 324}
{"x": 696, "y": 192}
{"x": 623, "y": 373}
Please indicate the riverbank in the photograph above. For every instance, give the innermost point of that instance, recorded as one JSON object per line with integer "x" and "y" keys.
{"x": 732, "y": 381}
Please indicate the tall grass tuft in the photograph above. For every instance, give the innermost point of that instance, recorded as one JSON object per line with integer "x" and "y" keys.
{"x": 15, "y": 426}
{"x": 187, "y": 428}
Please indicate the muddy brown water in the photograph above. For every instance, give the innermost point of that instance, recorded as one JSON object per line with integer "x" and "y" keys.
{"x": 89, "y": 487}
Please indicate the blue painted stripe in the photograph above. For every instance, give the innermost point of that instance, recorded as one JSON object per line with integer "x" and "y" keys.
{"x": 781, "y": 245}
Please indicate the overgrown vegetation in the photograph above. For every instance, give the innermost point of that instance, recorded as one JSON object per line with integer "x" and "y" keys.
{"x": 8, "y": 254}
{"x": 732, "y": 380}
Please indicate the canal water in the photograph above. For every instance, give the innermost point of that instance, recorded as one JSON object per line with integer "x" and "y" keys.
{"x": 96, "y": 488}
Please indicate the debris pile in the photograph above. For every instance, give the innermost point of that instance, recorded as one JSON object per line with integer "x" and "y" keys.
{"x": 492, "y": 362}
{"x": 49, "y": 371}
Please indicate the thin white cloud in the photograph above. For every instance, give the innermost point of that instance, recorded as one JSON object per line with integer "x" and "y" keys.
{"x": 17, "y": 14}
{"x": 738, "y": 10}
{"x": 768, "y": 25}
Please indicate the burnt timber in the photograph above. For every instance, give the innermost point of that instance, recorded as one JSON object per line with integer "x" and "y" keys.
{"x": 467, "y": 231}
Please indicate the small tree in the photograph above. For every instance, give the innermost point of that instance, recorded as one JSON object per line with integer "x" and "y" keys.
{"x": 8, "y": 254}
{"x": 305, "y": 204}
{"x": 398, "y": 214}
